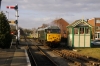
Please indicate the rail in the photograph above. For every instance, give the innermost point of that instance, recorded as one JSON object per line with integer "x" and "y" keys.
{"x": 33, "y": 58}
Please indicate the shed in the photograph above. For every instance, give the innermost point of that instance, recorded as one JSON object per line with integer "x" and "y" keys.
{"x": 79, "y": 34}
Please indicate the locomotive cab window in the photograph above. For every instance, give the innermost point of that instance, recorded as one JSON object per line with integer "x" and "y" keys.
{"x": 55, "y": 30}
{"x": 48, "y": 31}
{"x": 52, "y": 30}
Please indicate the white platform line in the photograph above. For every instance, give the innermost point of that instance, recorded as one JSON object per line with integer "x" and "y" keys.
{"x": 28, "y": 61}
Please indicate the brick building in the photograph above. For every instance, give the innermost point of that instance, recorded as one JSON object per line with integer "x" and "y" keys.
{"x": 62, "y": 24}
{"x": 95, "y": 22}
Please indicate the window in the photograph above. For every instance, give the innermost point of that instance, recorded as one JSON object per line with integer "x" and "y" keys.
{"x": 97, "y": 21}
{"x": 82, "y": 30}
{"x": 97, "y": 27}
{"x": 97, "y": 35}
{"x": 52, "y": 30}
{"x": 87, "y": 30}
{"x": 75, "y": 30}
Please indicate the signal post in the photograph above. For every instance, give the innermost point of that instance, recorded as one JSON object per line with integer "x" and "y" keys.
{"x": 17, "y": 38}
{"x": 16, "y": 22}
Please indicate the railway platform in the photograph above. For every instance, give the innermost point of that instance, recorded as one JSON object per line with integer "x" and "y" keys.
{"x": 14, "y": 57}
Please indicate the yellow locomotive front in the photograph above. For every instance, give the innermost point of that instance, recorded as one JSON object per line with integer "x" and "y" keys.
{"x": 53, "y": 36}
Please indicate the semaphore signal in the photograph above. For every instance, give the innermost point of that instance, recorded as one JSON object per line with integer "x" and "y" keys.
{"x": 12, "y": 33}
{"x": 12, "y": 7}
{"x": 16, "y": 21}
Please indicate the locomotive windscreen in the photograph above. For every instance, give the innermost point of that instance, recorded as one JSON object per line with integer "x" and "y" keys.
{"x": 53, "y": 30}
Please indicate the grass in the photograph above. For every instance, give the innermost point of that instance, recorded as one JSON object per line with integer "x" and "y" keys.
{"x": 93, "y": 52}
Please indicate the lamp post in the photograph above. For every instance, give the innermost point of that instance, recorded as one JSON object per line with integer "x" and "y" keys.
{"x": 8, "y": 14}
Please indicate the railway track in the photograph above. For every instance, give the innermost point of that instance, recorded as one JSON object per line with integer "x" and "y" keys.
{"x": 72, "y": 57}
{"x": 77, "y": 59}
{"x": 38, "y": 57}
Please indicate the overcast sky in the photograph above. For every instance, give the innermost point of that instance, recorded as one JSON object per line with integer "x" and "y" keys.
{"x": 33, "y": 13}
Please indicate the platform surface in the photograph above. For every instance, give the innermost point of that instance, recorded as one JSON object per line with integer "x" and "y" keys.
{"x": 14, "y": 57}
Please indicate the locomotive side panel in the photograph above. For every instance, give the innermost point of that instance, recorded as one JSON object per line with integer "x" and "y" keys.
{"x": 41, "y": 35}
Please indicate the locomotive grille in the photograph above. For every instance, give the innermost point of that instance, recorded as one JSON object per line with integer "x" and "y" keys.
{"x": 53, "y": 37}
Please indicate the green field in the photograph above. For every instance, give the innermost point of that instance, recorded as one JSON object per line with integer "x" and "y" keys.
{"x": 93, "y": 52}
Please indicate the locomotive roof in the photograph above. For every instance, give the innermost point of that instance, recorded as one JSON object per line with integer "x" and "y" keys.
{"x": 49, "y": 27}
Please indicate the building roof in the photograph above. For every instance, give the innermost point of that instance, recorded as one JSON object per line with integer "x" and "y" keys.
{"x": 94, "y": 18}
{"x": 80, "y": 23}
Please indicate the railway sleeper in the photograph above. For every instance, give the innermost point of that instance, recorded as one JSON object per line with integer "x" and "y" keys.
{"x": 77, "y": 63}
{"x": 94, "y": 63}
{"x": 70, "y": 59}
{"x": 55, "y": 50}
{"x": 63, "y": 54}
{"x": 73, "y": 61}
{"x": 67, "y": 55}
{"x": 59, "y": 53}
{"x": 83, "y": 59}
{"x": 74, "y": 56}
{"x": 94, "y": 59}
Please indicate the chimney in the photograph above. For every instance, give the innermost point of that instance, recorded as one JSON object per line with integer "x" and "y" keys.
{"x": 87, "y": 20}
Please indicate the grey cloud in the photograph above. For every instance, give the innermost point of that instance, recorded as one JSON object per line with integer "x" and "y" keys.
{"x": 57, "y": 5}
{"x": 44, "y": 11}
{"x": 63, "y": 6}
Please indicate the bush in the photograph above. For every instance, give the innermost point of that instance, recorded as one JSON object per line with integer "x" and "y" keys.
{"x": 5, "y": 36}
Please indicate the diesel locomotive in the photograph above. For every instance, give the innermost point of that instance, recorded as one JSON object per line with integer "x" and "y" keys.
{"x": 50, "y": 36}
